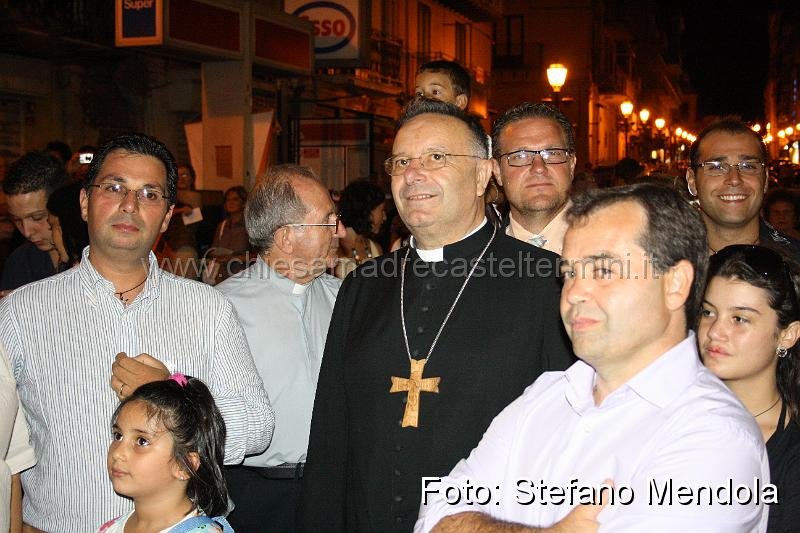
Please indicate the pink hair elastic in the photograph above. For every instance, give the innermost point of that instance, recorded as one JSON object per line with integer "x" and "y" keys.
{"x": 179, "y": 378}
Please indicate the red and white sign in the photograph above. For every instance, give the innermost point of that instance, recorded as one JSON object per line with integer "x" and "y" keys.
{"x": 337, "y": 27}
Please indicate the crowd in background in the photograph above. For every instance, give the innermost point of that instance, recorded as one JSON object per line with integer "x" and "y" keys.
{"x": 212, "y": 246}
{"x": 280, "y": 253}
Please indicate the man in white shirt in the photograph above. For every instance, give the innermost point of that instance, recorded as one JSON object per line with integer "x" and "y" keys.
{"x": 639, "y": 409}
{"x": 81, "y": 340}
{"x": 284, "y": 302}
{"x": 534, "y": 144}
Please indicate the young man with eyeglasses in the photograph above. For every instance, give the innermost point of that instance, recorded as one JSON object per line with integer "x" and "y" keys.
{"x": 728, "y": 175}
{"x": 284, "y": 302}
{"x": 81, "y": 340}
{"x": 426, "y": 344}
{"x": 534, "y": 145}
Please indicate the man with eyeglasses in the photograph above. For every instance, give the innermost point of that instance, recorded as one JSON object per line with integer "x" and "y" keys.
{"x": 284, "y": 302}
{"x": 534, "y": 145}
{"x": 427, "y": 344}
{"x": 116, "y": 319}
{"x": 28, "y": 184}
{"x": 728, "y": 176}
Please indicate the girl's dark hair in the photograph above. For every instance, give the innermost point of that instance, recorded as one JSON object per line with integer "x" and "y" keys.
{"x": 358, "y": 200}
{"x": 64, "y": 203}
{"x": 779, "y": 277}
{"x": 189, "y": 413}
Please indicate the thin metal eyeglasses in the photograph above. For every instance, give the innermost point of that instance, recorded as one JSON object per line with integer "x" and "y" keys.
{"x": 524, "y": 158}
{"x": 335, "y": 224}
{"x": 721, "y": 168}
{"x": 117, "y": 191}
{"x": 394, "y": 166}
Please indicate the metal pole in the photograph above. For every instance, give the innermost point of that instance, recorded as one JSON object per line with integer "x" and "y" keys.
{"x": 626, "y": 136}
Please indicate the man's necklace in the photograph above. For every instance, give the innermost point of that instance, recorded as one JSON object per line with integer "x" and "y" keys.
{"x": 415, "y": 383}
{"x": 125, "y": 300}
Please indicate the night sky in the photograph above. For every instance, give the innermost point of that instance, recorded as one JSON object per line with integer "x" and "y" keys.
{"x": 726, "y": 54}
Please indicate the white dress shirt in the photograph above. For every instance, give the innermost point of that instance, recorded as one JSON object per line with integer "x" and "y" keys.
{"x": 286, "y": 325}
{"x": 673, "y": 421}
{"x": 550, "y": 238}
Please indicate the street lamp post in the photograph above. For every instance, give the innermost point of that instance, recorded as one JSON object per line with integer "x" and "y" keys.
{"x": 556, "y": 77}
{"x": 662, "y": 144}
{"x": 645, "y": 134}
{"x": 626, "y": 108}
{"x": 644, "y": 141}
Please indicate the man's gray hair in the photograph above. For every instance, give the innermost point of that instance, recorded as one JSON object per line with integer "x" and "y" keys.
{"x": 273, "y": 203}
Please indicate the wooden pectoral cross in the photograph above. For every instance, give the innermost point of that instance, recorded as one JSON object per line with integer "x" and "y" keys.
{"x": 414, "y": 385}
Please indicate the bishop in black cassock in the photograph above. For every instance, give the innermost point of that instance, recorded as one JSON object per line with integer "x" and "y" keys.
{"x": 364, "y": 466}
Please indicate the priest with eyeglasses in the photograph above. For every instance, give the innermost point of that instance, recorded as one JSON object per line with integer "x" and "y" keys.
{"x": 427, "y": 344}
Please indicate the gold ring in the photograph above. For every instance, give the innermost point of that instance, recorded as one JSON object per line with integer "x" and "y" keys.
{"x": 120, "y": 389}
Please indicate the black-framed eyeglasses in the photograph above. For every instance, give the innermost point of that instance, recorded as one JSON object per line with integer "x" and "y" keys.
{"x": 396, "y": 165}
{"x": 118, "y": 192}
{"x": 721, "y": 168}
{"x": 524, "y": 158}
{"x": 334, "y": 221}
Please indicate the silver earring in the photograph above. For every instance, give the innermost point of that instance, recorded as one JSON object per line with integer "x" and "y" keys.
{"x": 781, "y": 352}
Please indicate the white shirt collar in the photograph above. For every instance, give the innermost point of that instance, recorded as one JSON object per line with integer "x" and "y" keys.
{"x": 299, "y": 288}
{"x": 436, "y": 255}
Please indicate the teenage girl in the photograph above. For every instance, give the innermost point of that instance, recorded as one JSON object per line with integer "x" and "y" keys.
{"x": 748, "y": 332}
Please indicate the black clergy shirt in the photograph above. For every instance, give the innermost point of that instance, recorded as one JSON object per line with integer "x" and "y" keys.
{"x": 363, "y": 469}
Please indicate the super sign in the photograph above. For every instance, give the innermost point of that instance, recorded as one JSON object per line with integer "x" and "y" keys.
{"x": 334, "y": 25}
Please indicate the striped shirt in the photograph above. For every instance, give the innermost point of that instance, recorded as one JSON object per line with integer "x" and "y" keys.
{"x": 62, "y": 334}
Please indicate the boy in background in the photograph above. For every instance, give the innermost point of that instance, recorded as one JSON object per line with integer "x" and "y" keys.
{"x": 443, "y": 80}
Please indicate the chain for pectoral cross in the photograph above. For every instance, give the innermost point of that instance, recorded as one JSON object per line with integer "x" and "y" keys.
{"x": 415, "y": 383}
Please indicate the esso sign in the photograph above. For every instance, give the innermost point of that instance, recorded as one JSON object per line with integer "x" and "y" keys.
{"x": 325, "y": 28}
{"x": 334, "y": 25}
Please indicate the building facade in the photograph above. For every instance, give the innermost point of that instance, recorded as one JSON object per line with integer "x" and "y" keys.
{"x": 207, "y": 77}
{"x": 615, "y": 52}
{"x": 344, "y": 118}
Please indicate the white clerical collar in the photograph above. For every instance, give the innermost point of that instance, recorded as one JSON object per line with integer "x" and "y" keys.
{"x": 437, "y": 254}
{"x": 300, "y": 288}
{"x": 285, "y": 284}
